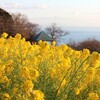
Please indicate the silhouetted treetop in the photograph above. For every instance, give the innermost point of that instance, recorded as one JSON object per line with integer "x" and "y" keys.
{"x": 6, "y": 22}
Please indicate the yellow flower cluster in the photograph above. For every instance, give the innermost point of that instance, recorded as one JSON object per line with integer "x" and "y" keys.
{"x": 43, "y": 71}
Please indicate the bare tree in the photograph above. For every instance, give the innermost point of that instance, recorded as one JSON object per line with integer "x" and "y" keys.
{"x": 24, "y": 27}
{"x": 55, "y": 31}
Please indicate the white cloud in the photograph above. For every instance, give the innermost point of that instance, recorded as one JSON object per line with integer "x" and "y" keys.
{"x": 16, "y": 5}
{"x": 10, "y": 6}
{"x": 42, "y": 6}
{"x": 19, "y": 6}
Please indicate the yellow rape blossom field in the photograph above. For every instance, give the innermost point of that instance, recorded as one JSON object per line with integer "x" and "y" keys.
{"x": 43, "y": 71}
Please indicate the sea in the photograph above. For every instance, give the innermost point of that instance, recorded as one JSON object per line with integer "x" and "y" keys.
{"x": 79, "y": 34}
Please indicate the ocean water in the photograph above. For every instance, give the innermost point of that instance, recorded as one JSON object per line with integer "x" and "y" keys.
{"x": 80, "y": 34}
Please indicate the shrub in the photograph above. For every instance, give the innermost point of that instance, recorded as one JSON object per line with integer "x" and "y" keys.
{"x": 91, "y": 44}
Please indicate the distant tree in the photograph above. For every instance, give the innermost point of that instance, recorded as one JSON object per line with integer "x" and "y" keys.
{"x": 6, "y": 22}
{"x": 91, "y": 44}
{"x": 24, "y": 27}
{"x": 55, "y": 31}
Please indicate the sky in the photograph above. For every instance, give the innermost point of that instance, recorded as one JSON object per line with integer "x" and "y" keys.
{"x": 66, "y": 13}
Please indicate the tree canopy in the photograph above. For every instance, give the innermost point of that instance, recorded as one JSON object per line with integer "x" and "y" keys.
{"x": 6, "y": 22}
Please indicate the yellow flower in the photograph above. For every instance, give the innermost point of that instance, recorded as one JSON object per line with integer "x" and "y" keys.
{"x": 4, "y": 35}
{"x": 24, "y": 73}
{"x": 6, "y": 96}
{"x": 37, "y": 95}
{"x": 93, "y": 96}
{"x": 28, "y": 86}
{"x": 64, "y": 47}
{"x": 10, "y": 62}
{"x": 46, "y": 66}
{"x": 9, "y": 67}
{"x": 63, "y": 83}
{"x": 40, "y": 41}
{"x": 18, "y": 36}
{"x": 14, "y": 90}
{"x": 52, "y": 72}
{"x": 95, "y": 63}
{"x": 77, "y": 91}
{"x": 85, "y": 53}
{"x": 53, "y": 43}
{"x": 4, "y": 79}
{"x": 34, "y": 74}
